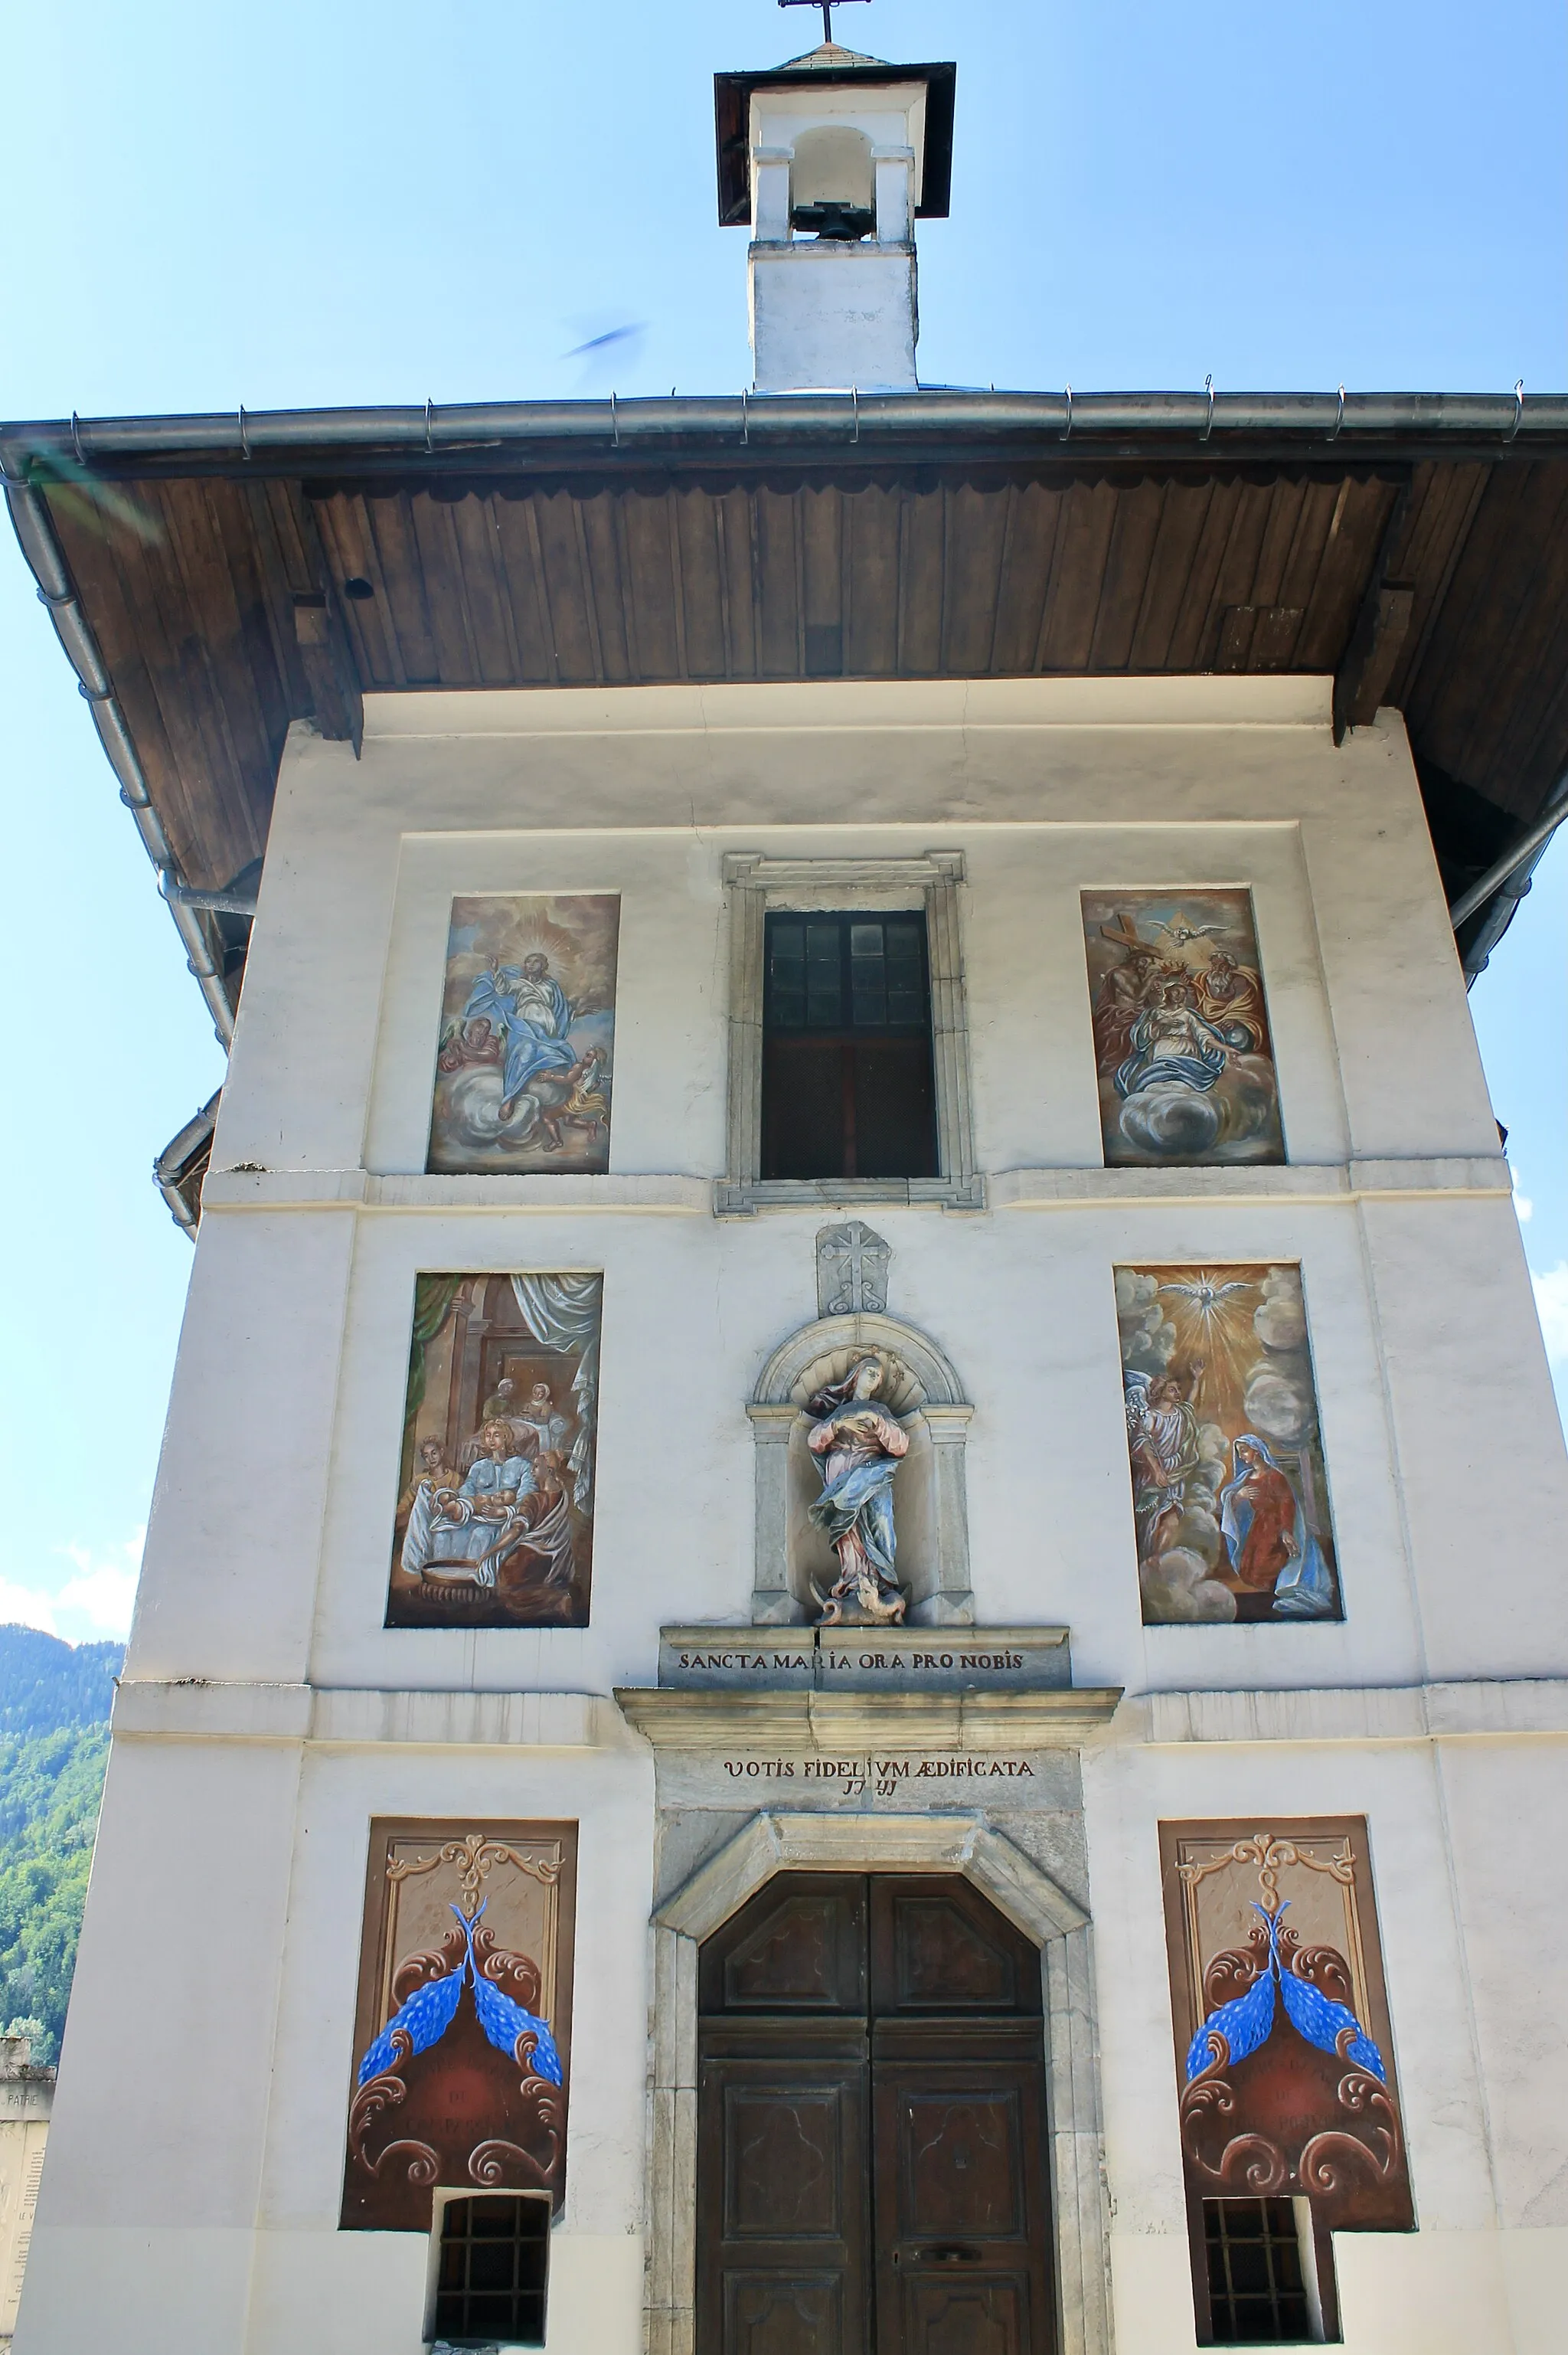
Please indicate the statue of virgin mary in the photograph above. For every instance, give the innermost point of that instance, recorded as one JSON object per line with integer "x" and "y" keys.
{"x": 858, "y": 1447}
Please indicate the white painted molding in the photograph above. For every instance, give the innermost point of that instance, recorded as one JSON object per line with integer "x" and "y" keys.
{"x": 361, "y": 1189}
{"x": 200, "y": 1711}
{"x": 1483, "y": 1176}
{"x": 1488, "y": 1709}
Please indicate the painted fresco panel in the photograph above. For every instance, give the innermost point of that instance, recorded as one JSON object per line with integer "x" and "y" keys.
{"x": 523, "y": 1070}
{"x": 462, "y": 2033}
{"x": 1230, "y": 1493}
{"x": 1182, "y": 1048}
{"x": 1284, "y": 2054}
{"x": 495, "y": 1519}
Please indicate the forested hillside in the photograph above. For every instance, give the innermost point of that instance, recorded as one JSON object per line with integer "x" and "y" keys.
{"x": 54, "y": 1739}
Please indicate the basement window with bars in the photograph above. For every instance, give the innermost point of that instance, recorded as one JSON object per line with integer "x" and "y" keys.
{"x": 491, "y": 2272}
{"x": 1262, "y": 2271}
{"x": 847, "y": 1082}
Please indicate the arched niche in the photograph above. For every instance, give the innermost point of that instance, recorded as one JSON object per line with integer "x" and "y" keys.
{"x": 930, "y": 1498}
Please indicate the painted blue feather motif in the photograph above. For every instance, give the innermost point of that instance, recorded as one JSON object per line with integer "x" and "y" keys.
{"x": 1245, "y": 2023}
{"x": 431, "y": 2008}
{"x": 1320, "y": 2020}
{"x": 424, "y": 2019}
{"x": 504, "y": 2021}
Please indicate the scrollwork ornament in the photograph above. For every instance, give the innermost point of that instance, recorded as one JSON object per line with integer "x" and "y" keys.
{"x": 494, "y": 2162}
{"x": 474, "y": 1857}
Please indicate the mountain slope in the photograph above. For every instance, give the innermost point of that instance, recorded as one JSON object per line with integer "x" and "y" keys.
{"x": 54, "y": 1744}
{"x": 45, "y": 1683}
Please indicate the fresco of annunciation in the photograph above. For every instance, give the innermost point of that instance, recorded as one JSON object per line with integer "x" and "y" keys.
{"x": 495, "y": 1521}
{"x": 462, "y": 2033}
{"x": 1230, "y": 1496}
{"x": 523, "y": 1071}
{"x": 1183, "y": 1050}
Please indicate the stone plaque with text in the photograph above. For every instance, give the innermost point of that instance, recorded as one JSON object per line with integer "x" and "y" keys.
{"x": 865, "y": 1659}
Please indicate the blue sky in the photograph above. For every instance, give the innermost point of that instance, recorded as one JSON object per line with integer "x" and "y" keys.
{"x": 341, "y": 202}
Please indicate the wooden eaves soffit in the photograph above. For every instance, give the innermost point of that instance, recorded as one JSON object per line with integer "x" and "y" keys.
{"x": 213, "y": 579}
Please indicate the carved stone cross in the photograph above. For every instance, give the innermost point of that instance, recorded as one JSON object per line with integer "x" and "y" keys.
{"x": 852, "y": 1270}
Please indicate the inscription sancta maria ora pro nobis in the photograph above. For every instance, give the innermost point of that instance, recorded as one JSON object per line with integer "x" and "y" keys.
{"x": 856, "y": 1660}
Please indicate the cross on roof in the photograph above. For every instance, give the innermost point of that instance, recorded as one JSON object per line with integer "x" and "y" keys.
{"x": 827, "y": 8}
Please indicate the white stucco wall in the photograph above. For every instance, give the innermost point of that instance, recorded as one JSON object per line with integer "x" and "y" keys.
{"x": 202, "y": 2215}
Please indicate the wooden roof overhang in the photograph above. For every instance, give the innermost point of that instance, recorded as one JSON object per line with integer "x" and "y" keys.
{"x": 214, "y": 579}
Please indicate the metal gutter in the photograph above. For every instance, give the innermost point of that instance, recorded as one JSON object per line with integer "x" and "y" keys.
{"x": 30, "y": 517}
{"x": 182, "y": 1165}
{"x": 1493, "y": 424}
{"x": 1505, "y": 884}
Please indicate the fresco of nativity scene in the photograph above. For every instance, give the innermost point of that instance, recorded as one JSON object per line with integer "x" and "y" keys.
{"x": 494, "y": 1522}
{"x": 1183, "y": 1050}
{"x": 523, "y": 1070}
{"x": 463, "y": 2032}
{"x": 1230, "y": 1495}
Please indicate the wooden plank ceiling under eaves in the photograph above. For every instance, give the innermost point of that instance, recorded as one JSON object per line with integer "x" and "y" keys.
{"x": 192, "y": 585}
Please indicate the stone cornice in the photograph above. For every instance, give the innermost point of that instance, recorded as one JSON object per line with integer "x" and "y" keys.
{"x": 834, "y": 1722}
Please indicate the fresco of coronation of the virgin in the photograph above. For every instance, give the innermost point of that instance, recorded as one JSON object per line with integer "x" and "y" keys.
{"x": 528, "y": 1037}
{"x": 1230, "y": 1495}
{"x": 1182, "y": 1050}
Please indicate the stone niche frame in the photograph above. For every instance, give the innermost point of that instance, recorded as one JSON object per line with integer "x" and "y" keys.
{"x": 928, "y": 1398}
{"x": 754, "y": 884}
{"x": 1031, "y": 1900}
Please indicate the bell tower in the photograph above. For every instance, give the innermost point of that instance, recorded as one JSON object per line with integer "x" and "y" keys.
{"x": 831, "y": 159}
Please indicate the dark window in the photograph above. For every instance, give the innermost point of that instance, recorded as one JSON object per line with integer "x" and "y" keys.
{"x": 496, "y": 2254}
{"x": 846, "y": 1049}
{"x": 1257, "y": 2292}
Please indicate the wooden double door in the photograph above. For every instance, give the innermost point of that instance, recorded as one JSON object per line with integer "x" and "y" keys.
{"x": 872, "y": 2169}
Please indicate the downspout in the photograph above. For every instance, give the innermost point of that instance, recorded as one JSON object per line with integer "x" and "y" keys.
{"x": 36, "y": 532}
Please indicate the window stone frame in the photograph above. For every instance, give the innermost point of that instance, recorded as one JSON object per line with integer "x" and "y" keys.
{"x": 755, "y": 883}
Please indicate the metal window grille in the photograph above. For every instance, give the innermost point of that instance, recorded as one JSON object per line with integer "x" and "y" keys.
{"x": 1257, "y": 2292}
{"x": 495, "y": 2259}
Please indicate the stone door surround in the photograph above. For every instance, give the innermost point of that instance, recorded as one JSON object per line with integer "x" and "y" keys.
{"x": 776, "y": 1841}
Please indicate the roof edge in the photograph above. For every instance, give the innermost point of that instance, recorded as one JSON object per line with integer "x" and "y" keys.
{"x": 1108, "y": 423}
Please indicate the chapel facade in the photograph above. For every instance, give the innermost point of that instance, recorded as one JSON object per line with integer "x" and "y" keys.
{"x": 853, "y": 1635}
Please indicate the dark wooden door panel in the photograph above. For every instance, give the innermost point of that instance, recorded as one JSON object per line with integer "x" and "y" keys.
{"x": 960, "y": 2163}
{"x": 938, "y": 1947}
{"x": 960, "y": 2214}
{"x": 786, "y": 2314}
{"x": 800, "y": 1946}
{"x": 783, "y": 2203}
{"x": 871, "y": 2126}
{"x": 968, "y": 2317}
{"x": 784, "y": 2148}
